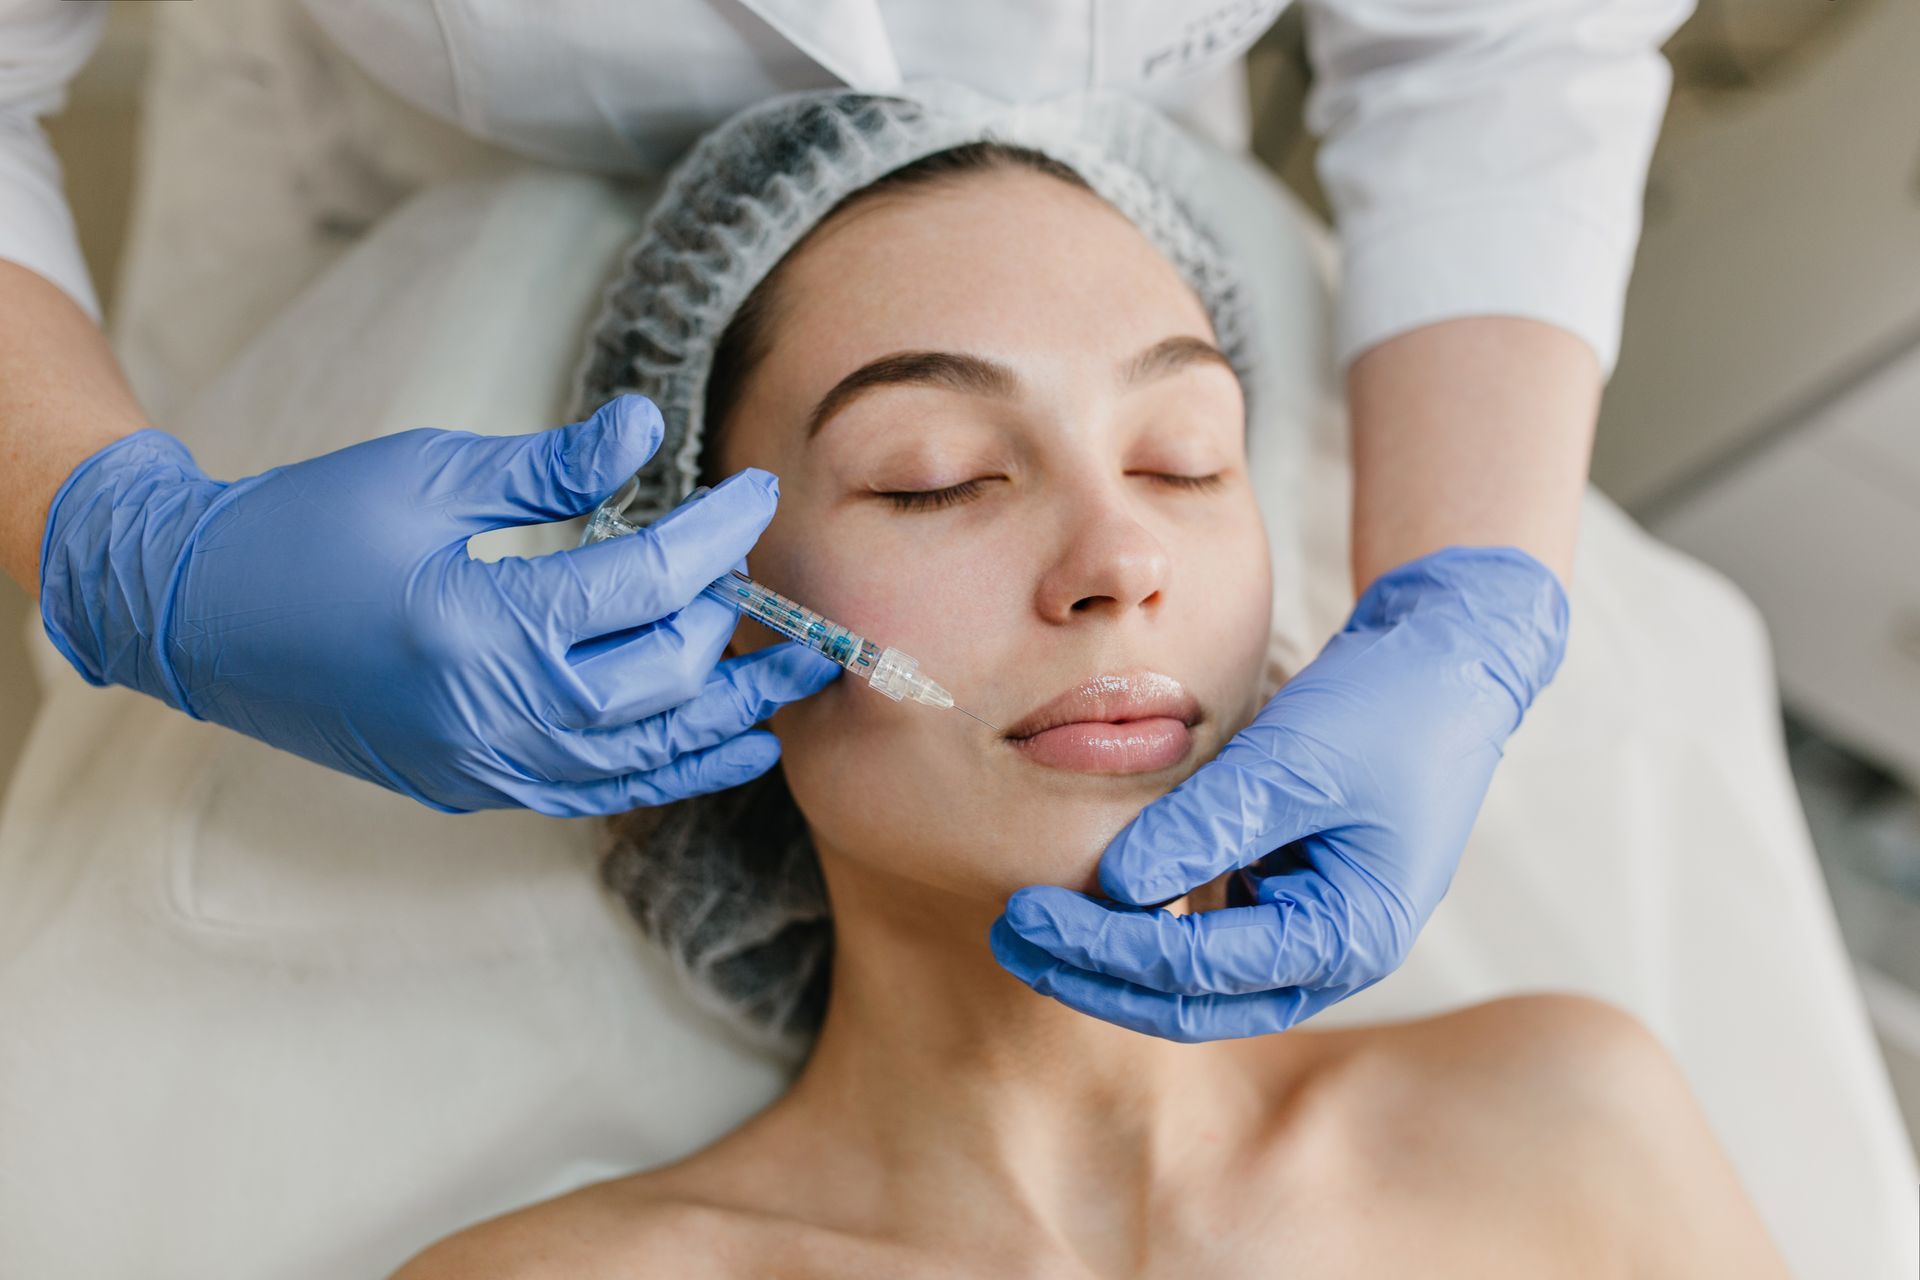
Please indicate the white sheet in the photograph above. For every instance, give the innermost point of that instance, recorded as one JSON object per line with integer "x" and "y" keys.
{"x": 275, "y": 1022}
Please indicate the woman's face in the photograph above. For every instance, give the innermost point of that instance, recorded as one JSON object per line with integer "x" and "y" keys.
{"x": 1007, "y": 446}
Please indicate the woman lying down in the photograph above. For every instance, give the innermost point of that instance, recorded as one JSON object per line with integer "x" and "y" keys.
{"x": 994, "y": 369}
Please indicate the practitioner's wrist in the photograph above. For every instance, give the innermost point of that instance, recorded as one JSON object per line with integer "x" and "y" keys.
{"x": 117, "y": 534}
{"x": 1500, "y": 605}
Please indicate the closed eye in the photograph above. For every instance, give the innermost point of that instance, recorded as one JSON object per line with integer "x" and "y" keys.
{"x": 967, "y": 490}
{"x": 934, "y": 499}
{"x": 1187, "y": 482}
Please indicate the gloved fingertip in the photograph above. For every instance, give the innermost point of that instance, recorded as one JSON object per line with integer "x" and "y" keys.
{"x": 756, "y": 750}
{"x": 1029, "y": 913}
{"x": 636, "y": 416}
{"x": 749, "y": 486}
{"x": 1123, "y": 885}
{"x": 1018, "y": 956}
{"x": 714, "y": 527}
{"x": 783, "y": 673}
{"x": 735, "y": 762}
{"x": 806, "y": 663}
{"x": 768, "y": 482}
{"x": 812, "y": 673}
{"x": 599, "y": 455}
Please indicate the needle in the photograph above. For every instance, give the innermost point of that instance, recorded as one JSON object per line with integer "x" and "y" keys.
{"x": 985, "y": 722}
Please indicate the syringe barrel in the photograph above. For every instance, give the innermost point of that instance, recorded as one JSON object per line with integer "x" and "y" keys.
{"x": 797, "y": 623}
{"x": 888, "y": 671}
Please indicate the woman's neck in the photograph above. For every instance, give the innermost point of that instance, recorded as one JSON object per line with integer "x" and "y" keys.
{"x": 937, "y": 1073}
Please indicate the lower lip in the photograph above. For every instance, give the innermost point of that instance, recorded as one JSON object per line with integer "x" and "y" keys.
{"x": 1098, "y": 746}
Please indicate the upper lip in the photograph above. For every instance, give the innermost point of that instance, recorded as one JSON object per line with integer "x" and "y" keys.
{"x": 1114, "y": 698}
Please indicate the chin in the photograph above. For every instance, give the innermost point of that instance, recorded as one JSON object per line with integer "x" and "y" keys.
{"x": 1067, "y": 855}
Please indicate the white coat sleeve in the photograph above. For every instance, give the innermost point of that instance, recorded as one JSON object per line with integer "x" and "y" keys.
{"x": 1487, "y": 157}
{"x": 42, "y": 44}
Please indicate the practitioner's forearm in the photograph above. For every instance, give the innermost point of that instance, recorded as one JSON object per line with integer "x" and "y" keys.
{"x": 1476, "y": 431}
{"x": 62, "y": 398}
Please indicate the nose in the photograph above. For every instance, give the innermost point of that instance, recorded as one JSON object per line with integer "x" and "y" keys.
{"x": 1109, "y": 561}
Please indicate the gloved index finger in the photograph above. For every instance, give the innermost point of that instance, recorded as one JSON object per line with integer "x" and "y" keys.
{"x": 1245, "y": 803}
{"x": 643, "y": 576}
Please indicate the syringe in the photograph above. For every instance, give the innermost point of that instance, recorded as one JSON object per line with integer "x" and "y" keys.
{"x": 890, "y": 671}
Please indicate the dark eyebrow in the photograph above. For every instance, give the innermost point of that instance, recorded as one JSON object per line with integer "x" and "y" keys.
{"x": 1170, "y": 356}
{"x": 950, "y": 369}
{"x": 976, "y": 375}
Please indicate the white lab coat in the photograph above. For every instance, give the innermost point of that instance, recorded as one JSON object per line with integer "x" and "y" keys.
{"x": 1481, "y": 158}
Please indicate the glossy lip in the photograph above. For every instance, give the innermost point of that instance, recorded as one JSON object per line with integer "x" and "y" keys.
{"x": 1132, "y": 722}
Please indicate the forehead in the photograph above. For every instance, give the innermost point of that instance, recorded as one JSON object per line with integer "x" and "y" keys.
{"x": 1004, "y": 263}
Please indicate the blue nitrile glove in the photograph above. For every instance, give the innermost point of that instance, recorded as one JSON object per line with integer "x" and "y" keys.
{"x": 330, "y": 608}
{"x": 1361, "y": 778}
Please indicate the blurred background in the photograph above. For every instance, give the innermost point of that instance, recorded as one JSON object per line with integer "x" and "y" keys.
{"x": 1765, "y": 415}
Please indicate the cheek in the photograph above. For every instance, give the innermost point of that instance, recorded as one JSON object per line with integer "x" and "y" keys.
{"x": 870, "y": 773}
{"x": 937, "y": 598}
{"x": 1241, "y": 583}
{"x": 905, "y": 790}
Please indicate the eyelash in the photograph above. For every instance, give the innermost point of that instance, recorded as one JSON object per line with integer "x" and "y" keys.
{"x": 966, "y": 490}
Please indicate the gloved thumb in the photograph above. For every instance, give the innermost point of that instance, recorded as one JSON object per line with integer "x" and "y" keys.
{"x": 565, "y": 472}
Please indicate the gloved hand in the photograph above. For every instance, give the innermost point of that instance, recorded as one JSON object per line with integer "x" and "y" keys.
{"x": 330, "y": 608}
{"x": 1361, "y": 778}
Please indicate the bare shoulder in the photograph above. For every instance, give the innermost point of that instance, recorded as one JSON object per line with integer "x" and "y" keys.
{"x": 1580, "y": 1057}
{"x": 1576, "y": 1106}
{"x": 632, "y": 1228}
{"x": 1586, "y": 1068}
{"x": 1492, "y": 1074}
